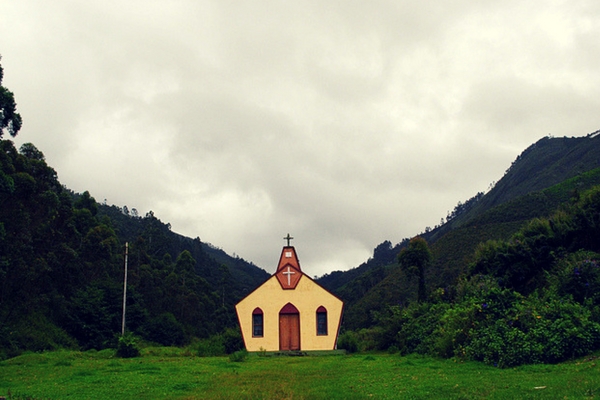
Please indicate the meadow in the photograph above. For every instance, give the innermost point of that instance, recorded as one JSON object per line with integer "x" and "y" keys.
{"x": 171, "y": 373}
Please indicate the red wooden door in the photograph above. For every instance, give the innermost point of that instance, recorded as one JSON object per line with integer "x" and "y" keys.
{"x": 289, "y": 332}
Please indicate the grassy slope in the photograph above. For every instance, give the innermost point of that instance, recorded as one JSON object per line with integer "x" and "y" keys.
{"x": 163, "y": 376}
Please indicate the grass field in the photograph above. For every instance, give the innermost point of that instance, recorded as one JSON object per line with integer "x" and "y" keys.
{"x": 164, "y": 373}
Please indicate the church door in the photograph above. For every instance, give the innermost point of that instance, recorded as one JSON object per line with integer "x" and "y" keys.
{"x": 289, "y": 328}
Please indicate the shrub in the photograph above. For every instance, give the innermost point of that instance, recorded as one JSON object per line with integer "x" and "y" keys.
{"x": 578, "y": 275}
{"x": 232, "y": 340}
{"x": 166, "y": 330}
{"x": 348, "y": 341}
{"x": 454, "y": 328}
{"x": 127, "y": 346}
{"x": 411, "y": 329}
{"x": 211, "y": 347}
{"x": 238, "y": 356}
{"x": 536, "y": 330}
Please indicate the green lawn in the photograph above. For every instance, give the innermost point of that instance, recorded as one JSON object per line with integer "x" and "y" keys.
{"x": 169, "y": 374}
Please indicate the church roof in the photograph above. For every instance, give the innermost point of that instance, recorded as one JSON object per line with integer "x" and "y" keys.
{"x": 288, "y": 257}
{"x": 288, "y": 270}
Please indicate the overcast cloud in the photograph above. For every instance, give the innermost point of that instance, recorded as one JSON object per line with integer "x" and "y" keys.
{"x": 344, "y": 123}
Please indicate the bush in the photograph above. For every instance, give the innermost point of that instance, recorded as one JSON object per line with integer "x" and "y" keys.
{"x": 33, "y": 332}
{"x": 127, "y": 346}
{"x": 536, "y": 330}
{"x": 232, "y": 340}
{"x": 501, "y": 345}
{"x": 348, "y": 341}
{"x": 410, "y": 329}
{"x": 211, "y": 347}
{"x": 578, "y": 275}
{"x": 482, "y": 304}
{"x": 238, "y": 356}
{"x": 165, "y": 330}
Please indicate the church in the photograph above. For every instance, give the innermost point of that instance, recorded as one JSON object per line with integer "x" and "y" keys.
{"x": 290, "y": 311}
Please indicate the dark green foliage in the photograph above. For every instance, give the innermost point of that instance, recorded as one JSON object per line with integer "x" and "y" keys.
{"x": 227, "y": 342}
{"x": 10, "y": 120}
{"x": 238, "y": 356}
{"x": 95, "y": 316}
{"x": 413, "y": 260}
{"x": 232, "y": 340}
{"x": 528, "y": 298}
{"x": 361, "y": 301}
{"x": 497, "y": 326}
{"x": 410, "y": 329}
{"x": 522, "y": 263}
{"x": 35, "y": 332}
{"x": 210, "y": 347}
{"x": 578, "y": 276}
{"x": 547, "y": 329}
{"x": 127, "y": 346}
{"x": 348, "y": 341}
{"x": 164, "y": 329}
{"x": 61, "y": 256}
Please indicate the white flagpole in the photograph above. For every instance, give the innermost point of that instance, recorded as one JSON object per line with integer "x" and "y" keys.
{"x": 124, "y": 290}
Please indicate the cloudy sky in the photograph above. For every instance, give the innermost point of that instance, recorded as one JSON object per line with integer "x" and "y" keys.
{"x": 344, "y": 123}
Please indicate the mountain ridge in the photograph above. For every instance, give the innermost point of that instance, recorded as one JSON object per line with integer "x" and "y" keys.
{"x": 546, "y": 163}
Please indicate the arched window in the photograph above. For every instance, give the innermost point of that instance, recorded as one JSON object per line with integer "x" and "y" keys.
{"x": 257, "y": 322}
{"x": 321, "y": 321}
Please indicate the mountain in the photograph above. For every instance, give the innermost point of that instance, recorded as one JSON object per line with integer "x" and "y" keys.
{"x": 548, "y": 173}
{"x": 545, "y": 163}
{"x": 130, "y": 227}
{"x": 62, "y": 268}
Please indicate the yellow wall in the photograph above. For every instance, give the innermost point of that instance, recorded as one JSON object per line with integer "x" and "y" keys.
{"x": 307, "y": 297}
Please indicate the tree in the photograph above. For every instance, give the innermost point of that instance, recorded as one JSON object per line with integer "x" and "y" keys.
{"x": 413, "y": 260}
{"x": 9, "y": 118}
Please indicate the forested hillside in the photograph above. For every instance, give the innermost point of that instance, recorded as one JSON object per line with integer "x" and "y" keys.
{"x": 380, "y": 287}
{"x": 545, "y": 163}
{"x": 211, "y": 262}
{"x": 516, "y": 198}
{"x": 514, "y": 281}
{"x": 62, "y": 268}
{"x": 62, "y": 258}
{"x": 511, "y": 277}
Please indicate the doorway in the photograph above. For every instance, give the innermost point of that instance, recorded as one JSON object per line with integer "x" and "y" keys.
{"x": 289, "y": 328}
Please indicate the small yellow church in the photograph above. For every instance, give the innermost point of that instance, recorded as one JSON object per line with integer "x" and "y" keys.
{"x": 290, "y": 311}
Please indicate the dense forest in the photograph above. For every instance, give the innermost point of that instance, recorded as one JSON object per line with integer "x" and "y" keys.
{"x": 512, "y": 279}
{"x": 62, "y": 268}
{"x": 62, "y": 265}
{"x": 508, "y": 277}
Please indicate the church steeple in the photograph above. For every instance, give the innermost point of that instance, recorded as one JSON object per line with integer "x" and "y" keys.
{"x": 288, "y": 270}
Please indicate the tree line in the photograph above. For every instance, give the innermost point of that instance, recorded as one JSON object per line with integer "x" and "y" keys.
{"x": 533, "y": 297}
{"x": 62, "y": 264}
{"x": 62, "y": 269}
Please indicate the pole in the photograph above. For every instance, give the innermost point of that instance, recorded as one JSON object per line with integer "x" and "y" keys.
{"x": 124, "y": 290}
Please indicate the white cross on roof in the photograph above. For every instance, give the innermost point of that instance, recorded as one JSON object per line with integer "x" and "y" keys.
{"x": 289, "y": 273}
